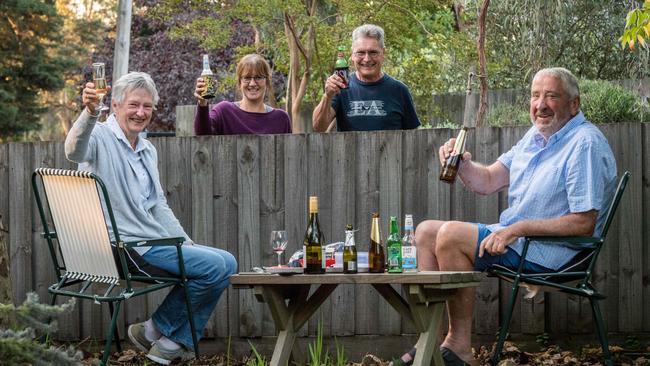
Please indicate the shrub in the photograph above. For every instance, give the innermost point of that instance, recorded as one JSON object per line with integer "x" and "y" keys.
{"x": 503, "y": 115}
{"x": 19, "y": 327}
{"x": 605, "y": 102}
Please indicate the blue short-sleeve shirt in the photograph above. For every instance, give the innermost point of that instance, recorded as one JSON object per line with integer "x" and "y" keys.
{"x": 575, "y": 171}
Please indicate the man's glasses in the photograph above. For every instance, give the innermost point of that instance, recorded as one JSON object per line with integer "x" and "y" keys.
{"x": 362, "y": 54}
{"x": 258, "y": 79}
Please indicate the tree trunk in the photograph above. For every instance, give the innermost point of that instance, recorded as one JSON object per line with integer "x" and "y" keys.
{"x": 480, "y": 117}
{"x": 5, "y": 274}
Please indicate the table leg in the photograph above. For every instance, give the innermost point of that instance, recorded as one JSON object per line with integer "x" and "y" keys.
{"x": 290, "y": 318}
{"x": 429, "y": 318}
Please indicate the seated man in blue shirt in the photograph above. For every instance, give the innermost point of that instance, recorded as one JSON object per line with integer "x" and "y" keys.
{"x": 561, "y": 177}
{"x": 128, "y": 165}
{"x": 372, "y": 100}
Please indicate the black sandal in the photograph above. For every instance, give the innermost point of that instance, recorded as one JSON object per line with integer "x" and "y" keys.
{"x": 450, "y": 358}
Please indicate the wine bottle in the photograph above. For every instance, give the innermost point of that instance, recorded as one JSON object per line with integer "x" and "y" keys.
{"x": 409, "y": 251}
{"x": 313, "y": 243}
{"x": 394, "y": 246}
{"x": 376, "y": 256}
{"x": 208, "y": 78}
{"x": 341, "y": 68}
{"x": 349, "y": 251}
{"x": 450, "y": 169}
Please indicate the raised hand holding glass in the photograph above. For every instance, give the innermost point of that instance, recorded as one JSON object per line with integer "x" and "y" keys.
{"x": 101, "y": 87}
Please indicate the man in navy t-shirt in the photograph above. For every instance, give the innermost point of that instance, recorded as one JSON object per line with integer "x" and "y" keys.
{"x": 372, "y": 100}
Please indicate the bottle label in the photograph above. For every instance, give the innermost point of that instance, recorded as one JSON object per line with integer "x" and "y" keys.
{"x": 210, "y": 90}
{"x": 409, "y": 258}
{"x": 352, "y": 266}
{"x": 343, "y": 74}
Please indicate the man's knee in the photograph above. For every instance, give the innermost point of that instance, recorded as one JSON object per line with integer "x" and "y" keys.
{"x": 426, "y": 231}
{"x": 451, "y": 237}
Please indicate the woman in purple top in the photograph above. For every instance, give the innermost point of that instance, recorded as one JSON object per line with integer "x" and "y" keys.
{"x": 249, "y": 115}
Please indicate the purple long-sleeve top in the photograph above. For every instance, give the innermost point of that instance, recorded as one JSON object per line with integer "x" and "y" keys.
{"x": 226, "y": 118}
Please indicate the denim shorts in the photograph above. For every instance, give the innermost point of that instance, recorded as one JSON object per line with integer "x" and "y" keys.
{"x": 509, "y": 259}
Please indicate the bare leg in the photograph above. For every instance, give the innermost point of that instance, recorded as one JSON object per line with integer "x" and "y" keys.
{"x": 451, "y": 246}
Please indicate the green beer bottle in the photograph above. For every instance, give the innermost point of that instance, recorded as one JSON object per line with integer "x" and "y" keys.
{"x": 394, "y": 245}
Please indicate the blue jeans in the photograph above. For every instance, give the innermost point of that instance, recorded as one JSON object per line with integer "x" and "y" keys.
{"x": 208, "y": 271}
{"x": 509, "y": 259}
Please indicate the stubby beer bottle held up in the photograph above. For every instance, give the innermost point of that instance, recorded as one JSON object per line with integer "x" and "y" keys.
{"x": 208, "y": 78}
{"x": 376, "y": 256}
{"x": 349, "y": 251}
{"x": 341, "y": 68}
{"x": 394, "y": 245}
{"x": 313, "y": 244}
{"x": 450, "y": 169}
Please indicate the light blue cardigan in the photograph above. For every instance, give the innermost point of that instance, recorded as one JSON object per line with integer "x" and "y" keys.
{"x": 98, "y": 149}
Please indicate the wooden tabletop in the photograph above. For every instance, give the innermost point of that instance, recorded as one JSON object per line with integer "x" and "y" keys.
{"x": 424, "y": 277}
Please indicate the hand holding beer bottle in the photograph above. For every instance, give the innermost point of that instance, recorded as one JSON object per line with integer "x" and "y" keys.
{"x": 205, "y": 84}
{"x": 451, "y": 153}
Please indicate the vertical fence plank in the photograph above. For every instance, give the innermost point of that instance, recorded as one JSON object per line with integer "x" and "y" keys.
{"x": 20, "y": 220}
{"x": 367, "y": 201}
{"x": 271, "y": 209}
{"x": 343, "y": 184}
{"x": 630, "y": 257}
{"x": 645, "y": 230}
{"x": 390, "y": 194}
{"x": 295, "y": 184}
{"x": 607, "y": 269}
{"x": 5, "y": 260}
{"x": 319, "y": 184}
{"x": 250, "y": 251}
{"x": 225, "y": 220}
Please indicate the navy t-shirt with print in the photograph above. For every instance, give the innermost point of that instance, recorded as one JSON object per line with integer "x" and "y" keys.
{"x": 383, "y": 105}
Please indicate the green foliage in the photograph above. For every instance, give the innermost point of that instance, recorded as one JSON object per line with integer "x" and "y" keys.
{"x": 507, "y": 114}
{"x": 32, "y": 60}
{"x": 637, "y": 27}
{"x": 317, "y": 354}
{"x": 526, "y": 35}
{"x": 19, "y": 328}
{"x": 341, "y": 360}
{"x": 605, "y": 102}
{"x": 259, "y": 360}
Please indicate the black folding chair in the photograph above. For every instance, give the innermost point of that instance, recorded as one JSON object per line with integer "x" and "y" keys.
{"x": 574, "y": 278}
{"x": 83, "y": 253}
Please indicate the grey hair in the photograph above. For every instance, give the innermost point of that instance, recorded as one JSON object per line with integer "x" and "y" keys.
{"x": 131, "y": 81}
{"x": 568, "y": 80}
{"x": 370, "y": 31}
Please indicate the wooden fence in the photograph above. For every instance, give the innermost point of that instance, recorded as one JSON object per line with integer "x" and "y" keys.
{"x": 232, "y": 191}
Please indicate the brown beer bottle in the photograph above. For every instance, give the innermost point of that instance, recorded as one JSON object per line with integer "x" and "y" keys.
{"x": 313, "y": 244}
{"x": 450, "y": 169}
{"x": 376, "y": 256}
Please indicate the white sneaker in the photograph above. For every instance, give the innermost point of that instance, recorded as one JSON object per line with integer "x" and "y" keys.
{"x": 164, "y": 356}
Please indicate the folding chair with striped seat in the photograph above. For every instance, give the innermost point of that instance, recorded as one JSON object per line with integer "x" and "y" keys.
{"x": 574, "y": 278}
{"x": 83, "y": 253}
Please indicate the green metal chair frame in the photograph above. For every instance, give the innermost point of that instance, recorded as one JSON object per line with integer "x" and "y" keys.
{"x": 75, "y": 242}
{"x": 580, "y": 280}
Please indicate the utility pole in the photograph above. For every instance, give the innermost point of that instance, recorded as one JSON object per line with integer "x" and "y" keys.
{"x": 123, "y": 39}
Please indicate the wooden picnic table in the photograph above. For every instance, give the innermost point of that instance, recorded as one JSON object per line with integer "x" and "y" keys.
{"x": 423, "y": 302}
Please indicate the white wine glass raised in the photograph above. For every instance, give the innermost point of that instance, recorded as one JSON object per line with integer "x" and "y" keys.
{"x": 101, "y": 87}
{"x": 279, "y": 242}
